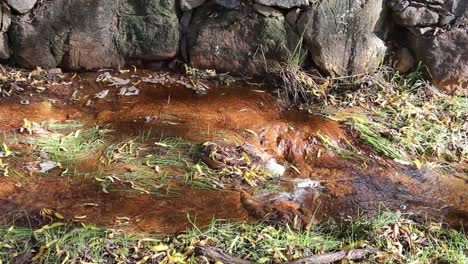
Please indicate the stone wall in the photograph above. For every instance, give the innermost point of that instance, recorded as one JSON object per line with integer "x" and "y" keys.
{"x": 341, "y": 37}
{"x": 436, "y": 33}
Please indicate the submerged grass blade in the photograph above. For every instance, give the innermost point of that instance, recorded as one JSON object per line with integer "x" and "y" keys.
{"x": 73, "y": 147}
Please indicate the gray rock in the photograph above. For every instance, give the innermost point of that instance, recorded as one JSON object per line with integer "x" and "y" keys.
{"x": 445, "y": 20}
{"x": 21, "y": 6}
{"x": 229, "y": 4}
{"x": 55, "y": 71}
{"x": 403, "y": 60}
{"x": 416, "y": 16}
{"x": 267, "y": 11}
{"x": 457, "y": 7}
{"x": 4, "y": 48}
{"x": 437, "y": 2}
{"x": 85, "y": 34}
{"x": 5, "y": 18}
{"x": 340, "y": 36}
{"x": 239, "y": 42}
{"x": 77, "y": 34}
{"x": 148, "y": 30}
{"x": 446, "y": 57}
{"x": 398, "y": 5}
{"x": 185, "y": 27}
{"x": 186, "y": 5}
{"x": 283, "y": 3}
{"x": 293, "y": 16}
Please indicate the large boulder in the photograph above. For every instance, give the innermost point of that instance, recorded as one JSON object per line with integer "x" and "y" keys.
{"x": 239, "y": 41}
{"x": 21, "y": 6}
{"x": 446, "y": 57}
{"x": 230, "y": 4}
{"x": 436, "y": 32}
{"x": 5, "y": 22}
{"x": 340, "y": 36}
{"x": 4, "y": 47}
{"x": 148, "y": 30}
{"x": 88, "y": 34}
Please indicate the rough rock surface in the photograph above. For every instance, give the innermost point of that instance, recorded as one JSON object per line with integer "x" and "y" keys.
{"x": 340, "y": 35}
{"x": 238, "y": 36}
{"x": 446, "y": 57}
{"x": 267, "y": 11}
{"x": 416, "y": 16}
{"x": 5, "y": 15}
{"x": 403, "y": 60}
{"x": 4, "y": 47}
{"x": 283, "y": 3}
{"x": 230, "y": 4}
{"x": 239, "y": 40}
{"x": 186, "y": 5}
{"x": 85, "y": 34}
{"x": 292, "y": 16}
{"x": 21, "y": 6}
{"x": 436, "y": 32}
{"x": 148, "y": 30}
{"x": 5, "y": 20}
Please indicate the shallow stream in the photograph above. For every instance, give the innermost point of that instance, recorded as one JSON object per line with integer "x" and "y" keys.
{"x": 316, "y": 180}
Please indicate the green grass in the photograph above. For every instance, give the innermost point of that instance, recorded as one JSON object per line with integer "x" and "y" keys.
{"x": 169, "y": 152}
{"x": 396, "y": 239}
{"x": 70, "y": 147}
{"x": 263, "y": 242}
{"x": 367, "y": 133}
{"x": 61, "y": 243}
{"x": 67, "y": 125}
{"x": 143, "y": 180}
{"x": 347, "y": 152}
{"x": 145, "y": 165}
{"x": 407, "y": 118}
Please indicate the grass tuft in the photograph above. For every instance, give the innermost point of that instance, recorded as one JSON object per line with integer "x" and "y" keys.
{"x": 71, "y": 148}
{"x": 407, "y": 118}
{"x": 395, "y": 238}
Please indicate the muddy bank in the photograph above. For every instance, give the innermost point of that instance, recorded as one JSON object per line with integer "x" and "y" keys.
{"x": 331, "y": 185}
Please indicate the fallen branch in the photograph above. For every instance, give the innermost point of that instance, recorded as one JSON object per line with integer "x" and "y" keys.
{"x": 216, "y": 254}
{"x": 334, "y": 257}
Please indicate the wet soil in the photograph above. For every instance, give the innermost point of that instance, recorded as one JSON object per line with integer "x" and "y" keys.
{"x": 241, "y": 113}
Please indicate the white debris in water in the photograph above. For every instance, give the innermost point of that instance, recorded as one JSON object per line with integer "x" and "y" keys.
{"x": 102, "y": 94}
{"x": 129, "y": 91}
{"x": 274, "y": 168}
{"x": 47, "y": 166}
{"x": 104, "y": 77}
{"x": 116, "y": 81}
{"x": 163, "y": 79}
{"x": 148, "y": 119}
{"x": 307, "y": 183}
{"x": 113, "y": 81}
{"x": 302, "y": 189}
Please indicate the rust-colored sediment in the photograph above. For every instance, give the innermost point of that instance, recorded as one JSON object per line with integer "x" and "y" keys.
{"x": 223, "y": 113}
